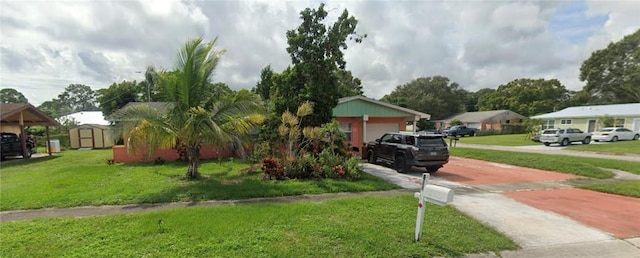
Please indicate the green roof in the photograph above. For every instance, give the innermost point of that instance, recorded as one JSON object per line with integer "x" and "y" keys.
{"x": 358, "y": 106}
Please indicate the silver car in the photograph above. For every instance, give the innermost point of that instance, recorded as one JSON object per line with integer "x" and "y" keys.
{"x": 614, "y": 134}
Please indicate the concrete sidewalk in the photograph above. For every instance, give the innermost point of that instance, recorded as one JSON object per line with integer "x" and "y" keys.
{"x": 540, "y": 233}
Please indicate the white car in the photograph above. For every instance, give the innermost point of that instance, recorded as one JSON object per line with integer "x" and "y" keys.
{"x": 613, "y": 134}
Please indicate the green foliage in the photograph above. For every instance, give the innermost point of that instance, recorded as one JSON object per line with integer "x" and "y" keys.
{"x": 455, "y": 122}
{"x": 264, "y": 86}
{"x": 9, "y": 95}
{"x": 531, "y": 125}
{"x": 316, "y": 55}
{"x": 432, "y": 95}
{"x": 353, "y": 168}
{"x": 347, "y": 84}
{"x": 347, "y": 227}
{"x": 117, "y": 95}
{"x": 527, "y": 97}
{"x": 82, "y": 178}
{"x": 613, "y": 73}
{"x": 618, "y": 148}
{"x": 200, "y": 113}
{"x": 631, "y": 188}
{"x": 606, "y": 121}
{"x": 55, "y": 108}
{"x": 588, "y": 167}
{"x": 78, "y": 97}
{"x": 328, "y": 160}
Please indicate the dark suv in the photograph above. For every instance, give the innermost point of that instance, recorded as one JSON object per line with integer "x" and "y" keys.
{"x": 405, "y": 150}
{"x": 11, "y": 146}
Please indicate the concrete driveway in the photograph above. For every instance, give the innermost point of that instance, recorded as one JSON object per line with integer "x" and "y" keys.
{"x": 537, "y": 209}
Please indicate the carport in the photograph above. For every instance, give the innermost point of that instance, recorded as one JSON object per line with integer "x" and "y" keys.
{"x": 15, "y": 116}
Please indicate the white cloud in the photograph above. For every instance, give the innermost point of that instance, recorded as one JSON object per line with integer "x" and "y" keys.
{"x": 46, "y": 46}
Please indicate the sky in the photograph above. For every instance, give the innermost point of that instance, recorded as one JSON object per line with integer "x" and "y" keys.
{"x": 47, "y": 45}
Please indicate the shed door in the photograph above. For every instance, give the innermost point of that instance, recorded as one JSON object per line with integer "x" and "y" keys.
{"x": 86, "y": 137}
{"x": 375, "y": 131}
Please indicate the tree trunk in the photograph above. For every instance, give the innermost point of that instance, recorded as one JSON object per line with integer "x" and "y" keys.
{"x": 193, "y": 156}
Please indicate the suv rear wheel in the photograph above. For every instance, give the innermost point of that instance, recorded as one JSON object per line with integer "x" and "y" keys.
{"x": 401, "y": 164}
{"x": 564, "y": 142}
{"x": 586, "y": 140}
{"x": 371, "y": 157}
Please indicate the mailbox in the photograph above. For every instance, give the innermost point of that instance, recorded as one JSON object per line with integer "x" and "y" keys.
{"x": 430, "y": 193}
{"x": 436, "y": 194}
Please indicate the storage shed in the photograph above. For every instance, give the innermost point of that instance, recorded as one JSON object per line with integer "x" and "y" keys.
{"x": 92, "y": 136}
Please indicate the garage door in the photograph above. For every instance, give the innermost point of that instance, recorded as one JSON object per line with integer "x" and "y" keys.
{"x": 375, "y": 131}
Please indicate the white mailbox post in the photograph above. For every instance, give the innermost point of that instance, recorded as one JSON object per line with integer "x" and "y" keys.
{"x": 430, "y": 193}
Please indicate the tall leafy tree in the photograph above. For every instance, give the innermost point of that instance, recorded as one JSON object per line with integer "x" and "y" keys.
{"x": 9, "y": 95}
{"x": 55, "y": 108}
{"x": 316, "y": 54}
{"x": 347, "y": 84}
{"x": 264, "y": 86}
{"x": 78, "y": 97}
{"x": 436, "y": 96}
{"x": 613, "y": 74}
{"x": 117, "y": 95}
{"x": 526, "y": 97}
{"x": 189, "y": 122}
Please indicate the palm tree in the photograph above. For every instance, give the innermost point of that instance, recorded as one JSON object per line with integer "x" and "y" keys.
{"x": 187, "y": 121}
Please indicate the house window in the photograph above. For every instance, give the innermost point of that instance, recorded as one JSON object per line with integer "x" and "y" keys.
{"x": 618, "y": 122}
{"x": 346, "y": 129}
{"x": 507, "y": 122}
{"x": 565, "y": 121}
{"x": 548, "y": 124}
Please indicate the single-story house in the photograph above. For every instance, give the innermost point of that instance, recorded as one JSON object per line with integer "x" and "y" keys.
{"x": 14, "y": 117}
{"x": 361, "y": 118}
{"x": 586, "y": 118}
{"x": 121, "y": 153}
{"x": 483, "y": 120}
{"x": 364, "y": 119}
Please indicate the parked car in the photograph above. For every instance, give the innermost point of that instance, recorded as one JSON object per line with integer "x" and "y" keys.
{"x": 613, "y": 134}
{"x": 11, "y": 146}
{"x": 405, "y": 150}
{"x": 564, "y": 136}
{"x": 461, "y": 130}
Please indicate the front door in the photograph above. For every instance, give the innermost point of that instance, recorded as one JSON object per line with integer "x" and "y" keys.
{"x": 591, "y": 126}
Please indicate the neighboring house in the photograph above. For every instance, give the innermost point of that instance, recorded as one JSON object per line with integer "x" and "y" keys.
{"x": 14, "y": 117}
{"x": 121, "y": 153}
{"x": 587, "y": 118}
{"x": 364, "y": 119}
{"x": 483, "y": 120}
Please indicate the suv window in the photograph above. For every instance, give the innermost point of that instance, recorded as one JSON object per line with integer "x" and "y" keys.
{"x": 410, "y": 140}
{"x": 386, "y": 138}
{"x": 430, "y": 141}
{"x": 550, "y": 131}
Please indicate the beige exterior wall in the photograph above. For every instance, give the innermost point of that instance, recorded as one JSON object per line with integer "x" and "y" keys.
{"x": 90, "y": 137}
{"x": 74, "y": 141}
{"x": 10, "y": 129}
{"x": 583, "y": 123}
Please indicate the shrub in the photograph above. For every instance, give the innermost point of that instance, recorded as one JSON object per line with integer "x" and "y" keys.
{"x": 328, "y": 160}
{"x": 353, "y": 169}
{"x": 272, "y": 168}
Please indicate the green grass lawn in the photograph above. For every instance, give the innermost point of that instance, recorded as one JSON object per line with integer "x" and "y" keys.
{"x": 620, "y": 148}
{"x": 350, "y": 227}
{"x": 589, "y": 167}
{"x": 502, "y": 140}
{"x": 629, "y": 188}
{"x": 78, "y": 178}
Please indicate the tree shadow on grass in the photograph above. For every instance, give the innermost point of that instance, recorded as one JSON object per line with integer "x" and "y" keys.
{"x": 13, "y": 162}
